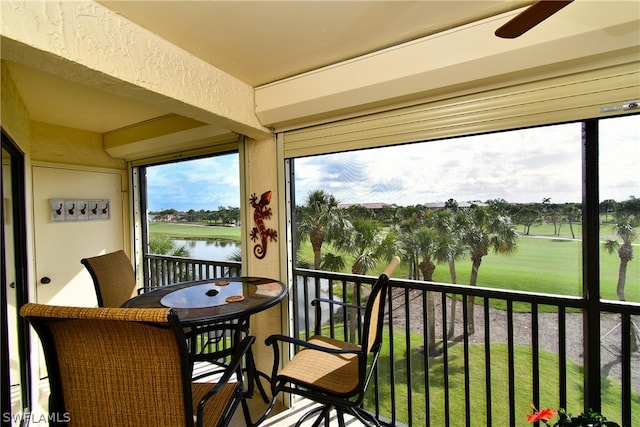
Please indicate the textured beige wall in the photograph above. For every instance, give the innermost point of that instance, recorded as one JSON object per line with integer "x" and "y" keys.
{"x": 260, "y": 171}
{"x": 13, "y": 113}
{"x": 71, "y": 146}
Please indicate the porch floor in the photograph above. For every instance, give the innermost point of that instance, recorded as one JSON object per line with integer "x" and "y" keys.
{"x": 280, "y": 416}
{"x": 284, "y": 417}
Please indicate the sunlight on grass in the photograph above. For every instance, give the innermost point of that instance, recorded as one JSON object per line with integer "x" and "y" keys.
{"x": 184, "y": 231}
{"x": 549, "y": 385}
{"x": 543, "y": 265}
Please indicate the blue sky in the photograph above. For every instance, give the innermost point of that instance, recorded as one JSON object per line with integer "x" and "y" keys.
{"x": 518, "y": 166}
{"x": 198, "y": 184}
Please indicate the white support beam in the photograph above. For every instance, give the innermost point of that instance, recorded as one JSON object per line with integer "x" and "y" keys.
{"x": 441, "y": 64}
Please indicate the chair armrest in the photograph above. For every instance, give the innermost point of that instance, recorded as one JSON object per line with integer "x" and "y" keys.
{"x": 235, "y": 366}
{"x": 273, "y": 339}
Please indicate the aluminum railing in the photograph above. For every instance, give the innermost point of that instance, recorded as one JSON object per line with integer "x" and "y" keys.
{"x": 525, "y": 348}
{"x": 435, "y": 369}
{"x": 163, "y": 270}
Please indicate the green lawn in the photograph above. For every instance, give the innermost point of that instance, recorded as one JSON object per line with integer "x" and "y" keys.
{"x": 548, "y": 265}
{"x": 190, "y": 231}
{"x": 540, "y": 265}
{"x": 499, "y": 386}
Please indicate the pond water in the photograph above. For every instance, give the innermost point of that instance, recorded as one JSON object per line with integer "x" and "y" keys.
{"x": 211, "y": 250}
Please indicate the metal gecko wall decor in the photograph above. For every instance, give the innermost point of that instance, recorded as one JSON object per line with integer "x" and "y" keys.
{"x": 260, "y": 232}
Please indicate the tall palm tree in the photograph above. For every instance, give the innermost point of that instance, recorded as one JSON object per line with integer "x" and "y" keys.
{"x": 409, "y": 245}
{"x": 368, "y": 244}
{"x": 450, "y": 249}
{"x": 425, "y": 242}
{"x": 485, "y": 229}
{"x": 572, "y": 214}
{"x": 625, "y": 227}
{"x": 428, "y": 246}
{"x": 321, "y": 221}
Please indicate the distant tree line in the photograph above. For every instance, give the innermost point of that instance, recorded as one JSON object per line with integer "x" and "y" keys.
{"x": 229, "y": 215}
{"x": 427, "y": 236}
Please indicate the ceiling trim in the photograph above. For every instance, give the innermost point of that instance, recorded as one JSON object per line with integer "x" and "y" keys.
{"x": 434, "y": 63}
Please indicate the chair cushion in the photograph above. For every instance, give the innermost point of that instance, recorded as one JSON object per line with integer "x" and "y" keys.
{"x": 335, "y": 373}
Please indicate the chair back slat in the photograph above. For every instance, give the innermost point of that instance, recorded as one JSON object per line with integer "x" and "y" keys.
{"x": 374, "y": 314}
{"x": 113, "y": 278}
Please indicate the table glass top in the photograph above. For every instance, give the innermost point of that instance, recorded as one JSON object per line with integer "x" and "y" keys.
{"x": 214, "y": 299}
{"x": 209, "y": 294}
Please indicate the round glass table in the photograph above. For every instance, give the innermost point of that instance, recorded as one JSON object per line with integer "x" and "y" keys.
{"x": 214, "y": 300}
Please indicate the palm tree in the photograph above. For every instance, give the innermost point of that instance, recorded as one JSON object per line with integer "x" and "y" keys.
{"x": 162, "y": 245}
{"x": 428, "y": 246}
{"x": 527, "y": 216}
{"x": 625, "y": 227}
{"x": 450, "y": 249}
{"x": 409, "y": 245}
{"x": 321, "y": 221}
{"x": 333, "y": 262}
{"x": 427, "y": 239}
{"x": 484, "y": 229}
{"x": 571, "y": 213}
{"x": 369, "y": 245}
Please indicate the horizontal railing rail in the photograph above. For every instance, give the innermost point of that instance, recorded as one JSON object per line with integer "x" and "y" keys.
{"x": 441, "y": 369}
{"x": 164, "y": 270}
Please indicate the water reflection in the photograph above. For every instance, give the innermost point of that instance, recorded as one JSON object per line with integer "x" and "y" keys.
{"x": 211, "y": 250}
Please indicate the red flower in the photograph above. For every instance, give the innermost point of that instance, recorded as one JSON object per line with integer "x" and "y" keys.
{"x": 543, "y": 415}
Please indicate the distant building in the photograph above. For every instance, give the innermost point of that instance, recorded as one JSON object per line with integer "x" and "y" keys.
{"x": 373, "y": 206}
{"x": 442, "y": 205}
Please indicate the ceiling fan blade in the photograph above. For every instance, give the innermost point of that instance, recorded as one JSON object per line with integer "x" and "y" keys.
{"x": 530, "y": 17}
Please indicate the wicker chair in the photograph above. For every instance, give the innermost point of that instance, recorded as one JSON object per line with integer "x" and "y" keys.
{"x": 128, "y": 367}
{"x": 331, "y": 372}
{"x": 115, "y": 283}
{"x": 113, "y": 278}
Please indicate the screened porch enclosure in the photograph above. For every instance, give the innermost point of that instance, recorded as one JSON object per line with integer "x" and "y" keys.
{"x": 543, "y": 324}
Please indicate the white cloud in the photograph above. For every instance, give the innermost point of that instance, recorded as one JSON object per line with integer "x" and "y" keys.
{"x": 519, "y": 166}
{"x": 197, "y": 184}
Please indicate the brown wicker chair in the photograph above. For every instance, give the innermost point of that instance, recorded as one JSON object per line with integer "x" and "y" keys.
{"x": 115, "y": 283}
{"x": 128, "y": 367}
{"x": 331, "y": 372}
{"x": 113, "y": 278}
